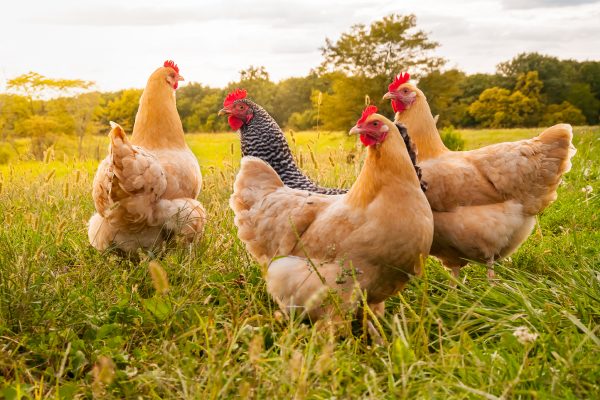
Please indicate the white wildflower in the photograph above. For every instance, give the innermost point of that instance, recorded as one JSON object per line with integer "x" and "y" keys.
{"x": 524, "y": 335}
{"x": 131, "y": 371}
{"x": 586, "y": 172}
{"x": 588, "y": 189}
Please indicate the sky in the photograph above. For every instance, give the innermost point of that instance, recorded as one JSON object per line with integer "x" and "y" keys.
{"x": 118, "y": 44}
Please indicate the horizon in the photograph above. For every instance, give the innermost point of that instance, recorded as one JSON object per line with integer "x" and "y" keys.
{"x": 282, "y": 36}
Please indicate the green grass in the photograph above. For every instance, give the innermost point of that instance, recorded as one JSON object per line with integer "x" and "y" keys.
{"x": 78, "y": 323}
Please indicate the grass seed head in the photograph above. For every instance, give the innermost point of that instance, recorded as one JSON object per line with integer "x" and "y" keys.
{"x": 159, "y": 277}
{"x": 256, "y": 348}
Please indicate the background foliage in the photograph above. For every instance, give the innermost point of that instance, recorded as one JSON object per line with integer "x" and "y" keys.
{"x": 527, "y": 91}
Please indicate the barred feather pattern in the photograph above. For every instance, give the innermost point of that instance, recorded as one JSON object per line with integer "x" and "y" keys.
{"x": 261, "y": 137}
{"x": 412, "y": 152}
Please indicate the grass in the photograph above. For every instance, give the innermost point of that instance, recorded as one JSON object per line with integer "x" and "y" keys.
{"x": 75, "y": 323}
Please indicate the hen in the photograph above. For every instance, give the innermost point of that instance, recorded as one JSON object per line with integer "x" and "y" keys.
{"x": 145, "y": 190}
{"x": 261, "y": 137}
{"x": 484, "y": 201}
{"x": 374, "y": 236}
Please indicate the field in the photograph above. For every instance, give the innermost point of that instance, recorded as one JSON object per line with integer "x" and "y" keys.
{"x": 75, "y": 323}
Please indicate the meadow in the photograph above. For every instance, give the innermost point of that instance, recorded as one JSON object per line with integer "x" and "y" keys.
{"x": 76, "y": 323}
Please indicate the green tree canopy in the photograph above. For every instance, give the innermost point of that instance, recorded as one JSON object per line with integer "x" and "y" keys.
{"x": 499, "y": 108}
{"x": 35, "y": 86}
{"x": 443, "y": 91}
{"x": 122, "y": 109}
{"x": 563, "y": 113}
{"x": 343, "y": 102}
{"x": 580, "y": 95}
{"x": 556, "y": 75}
{"x": 383, "y": 49}
{"x": 258, "y": 84}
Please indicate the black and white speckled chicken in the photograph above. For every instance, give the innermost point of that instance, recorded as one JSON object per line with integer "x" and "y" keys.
{"x": 262, "y": 137}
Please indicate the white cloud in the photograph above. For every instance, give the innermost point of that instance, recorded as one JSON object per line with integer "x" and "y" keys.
{"x": 119, "y": 44}
{"x": 525, "y": 4}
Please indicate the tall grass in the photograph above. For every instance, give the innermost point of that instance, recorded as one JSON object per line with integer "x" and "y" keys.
{"x": 78, "y": 323}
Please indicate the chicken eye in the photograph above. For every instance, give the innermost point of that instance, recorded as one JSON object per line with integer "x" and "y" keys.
{"x": 375, "y": 123}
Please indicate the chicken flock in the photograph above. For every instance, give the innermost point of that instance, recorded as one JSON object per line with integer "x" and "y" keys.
{"x": 329, "y": 251}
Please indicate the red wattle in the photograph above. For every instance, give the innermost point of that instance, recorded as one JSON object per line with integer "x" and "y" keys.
{"x": 234, "y": 122}
{"x": 398, "y": 106}
{"x": 367, "y": 140}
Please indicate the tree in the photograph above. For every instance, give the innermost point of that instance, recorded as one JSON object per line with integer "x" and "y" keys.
{"x": 556, "y": 75}
{"x": 123, "y": 109}
{"x": 42, "y": 126}
{"x": 35, "y": 86}
{"x": 258, "y": 84}
{"x": 563, "y": 113}
{"x": 499, "y": 108}
{"x": 491, "y": 107}
{"x": 198, "y": 105}
{"x": 530, "y": 86}
{"x": 473, "y": 85}
{"x": 590, "y": 74}
{"x": 385, "y": 48}
{"x": 580, "y": 95}
{"x": 13, "y": 108}
{"x": 293, "y": 96}
{"x": 43, "y": 131}
{"x": 302, "y": 120}
{"x": 84, "y": 110}
{"x": 343, "y": 103}
{"x": 443, "y": 91}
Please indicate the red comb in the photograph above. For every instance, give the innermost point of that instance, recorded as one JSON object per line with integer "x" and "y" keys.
{"x": 399, "y": 80}
{"x": 366, "y": 112}
{"x": 234, "y": 95}
{"x": 171, "y": 64}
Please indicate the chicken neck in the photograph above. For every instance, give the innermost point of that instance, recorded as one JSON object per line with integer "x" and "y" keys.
{"x": 422, "y": 130}
{"x": 387, "y": 168}
{"x": 157, "y": 123}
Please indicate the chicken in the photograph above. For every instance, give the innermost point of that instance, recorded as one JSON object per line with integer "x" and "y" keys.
{"x": 146, "y": 189}
{"x": 374, "y": 236}
{"x": 261, "y": 137}
{"x": 484, "y": 201}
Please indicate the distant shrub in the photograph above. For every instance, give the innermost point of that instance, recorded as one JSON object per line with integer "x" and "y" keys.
{"x": 452, "y": 139}
{"x": 302, "y": 121}
{"x": 563, "y": 113}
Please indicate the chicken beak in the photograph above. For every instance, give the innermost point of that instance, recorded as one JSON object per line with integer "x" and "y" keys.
{"x": 223, "y": 111}
{"x": 388, "y": 96}
{"x": 180, "y": 78}
{"x": 355, "y": 130}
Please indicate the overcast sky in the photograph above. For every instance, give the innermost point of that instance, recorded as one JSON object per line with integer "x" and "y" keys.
{"x": 118, "y": 44}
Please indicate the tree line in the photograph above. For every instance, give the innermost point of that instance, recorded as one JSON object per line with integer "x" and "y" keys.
{"x": 527, "y": 91}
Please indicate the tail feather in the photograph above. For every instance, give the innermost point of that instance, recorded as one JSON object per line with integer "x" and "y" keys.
{"x": 271, "y": 217}
{"x": 138, "y": 181}
{"x": 253, "y": 182}
{"x": 560, "y": 139}
{"x": 530, "y": 170}
{"x": 558, "y": 150}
